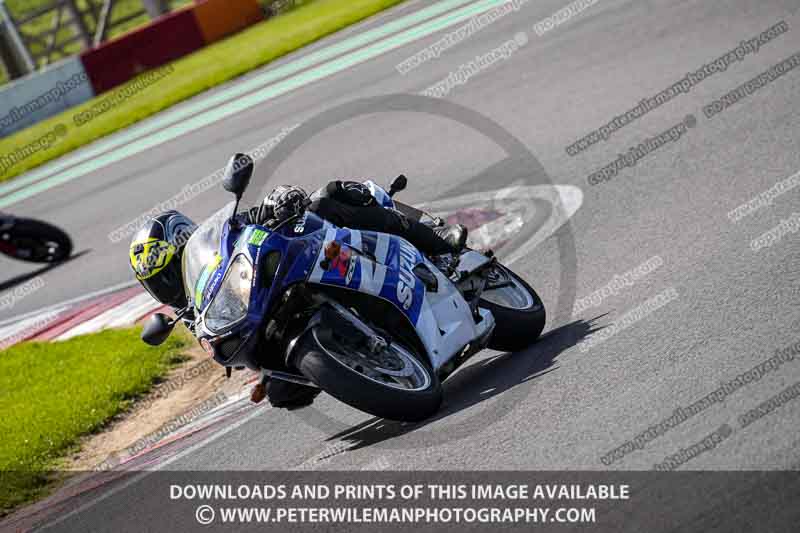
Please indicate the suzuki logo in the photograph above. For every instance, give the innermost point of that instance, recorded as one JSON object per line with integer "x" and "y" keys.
{"x": 405, "y": 287}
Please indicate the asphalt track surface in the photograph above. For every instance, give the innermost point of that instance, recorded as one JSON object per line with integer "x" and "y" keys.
{"x": 557, "y": 405}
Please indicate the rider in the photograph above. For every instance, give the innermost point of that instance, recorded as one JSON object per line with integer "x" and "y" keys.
{"x": 157, "y": 248}
{"x": 350, "y": 204}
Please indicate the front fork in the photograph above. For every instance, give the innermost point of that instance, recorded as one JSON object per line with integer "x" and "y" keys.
{"x": 375, "y": 343}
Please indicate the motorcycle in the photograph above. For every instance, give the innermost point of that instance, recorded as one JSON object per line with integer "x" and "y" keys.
{"x": 362, "y": 315}
{"x": 33, "y": 240}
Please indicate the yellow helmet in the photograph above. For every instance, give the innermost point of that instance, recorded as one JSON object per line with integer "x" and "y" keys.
{"x": 155, "y": 256}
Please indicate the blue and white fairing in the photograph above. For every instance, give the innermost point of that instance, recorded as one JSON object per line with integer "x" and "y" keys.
{"x": 378, "y": 264}
{"x": 382, "y": 265}
{"x": 389, "y": 276}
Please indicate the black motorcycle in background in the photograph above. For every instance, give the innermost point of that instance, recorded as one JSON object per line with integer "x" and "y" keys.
{"x": 33, "y": 240}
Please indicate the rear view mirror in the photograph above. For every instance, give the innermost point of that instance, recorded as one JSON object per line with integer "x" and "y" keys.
{"x": 157, "y": 329}
{"x": 398, "y": 184}
{"x": 237, "y": 174}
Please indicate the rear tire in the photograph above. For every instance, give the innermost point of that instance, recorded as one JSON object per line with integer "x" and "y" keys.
{"x": 516, "y": 329}
{"x": 354, "y": 388}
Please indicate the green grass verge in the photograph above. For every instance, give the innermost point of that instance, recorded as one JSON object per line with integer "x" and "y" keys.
{"x": 195, "y": 73}
{"x": 53, "y": 393}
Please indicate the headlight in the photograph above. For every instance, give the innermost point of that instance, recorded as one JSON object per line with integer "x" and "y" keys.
{"x": 230, "y": 303}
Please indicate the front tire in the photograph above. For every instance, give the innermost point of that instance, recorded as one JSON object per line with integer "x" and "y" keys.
{"x": 518, "y": 311}
{"x": 347, "y": 376}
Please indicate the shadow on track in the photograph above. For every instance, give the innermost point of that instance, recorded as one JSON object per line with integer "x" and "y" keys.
{"x": 22, "y": 278}
{"x": 478, "y": 382}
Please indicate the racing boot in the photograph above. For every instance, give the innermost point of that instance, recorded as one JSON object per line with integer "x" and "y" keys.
{"x": 289, "y": 395}
{"x": 429, "y": 240}
{"x": 454, "y": 235}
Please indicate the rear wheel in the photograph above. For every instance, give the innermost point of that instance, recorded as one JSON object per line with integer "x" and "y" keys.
{"x": 35, "y": 241}
{"x": 518, "y": 311}
{"x": 390, "y": 381}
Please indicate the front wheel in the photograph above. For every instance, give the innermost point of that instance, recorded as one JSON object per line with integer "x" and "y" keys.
{"x": 518, "y": 311}
{"x": 391, "y": 383}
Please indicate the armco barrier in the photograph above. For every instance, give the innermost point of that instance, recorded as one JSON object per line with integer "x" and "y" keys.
{"x": 165, "y": 39}
{"x": 43, "y": 94}
{"x": 220, "y": 18}
{"x": 78, "y": 79}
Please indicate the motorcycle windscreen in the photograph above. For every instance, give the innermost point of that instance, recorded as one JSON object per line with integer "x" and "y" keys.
{"x": 201, "y": 257}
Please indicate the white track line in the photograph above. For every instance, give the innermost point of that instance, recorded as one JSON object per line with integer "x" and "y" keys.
{"x": 71, "y": 301}
{"x": 257, "y": 411}
{"x": 121, "y": 315}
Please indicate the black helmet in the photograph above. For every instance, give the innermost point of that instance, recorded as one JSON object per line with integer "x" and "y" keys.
{"x": 285, "y": 201}
{"x": 156, "y": 253}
